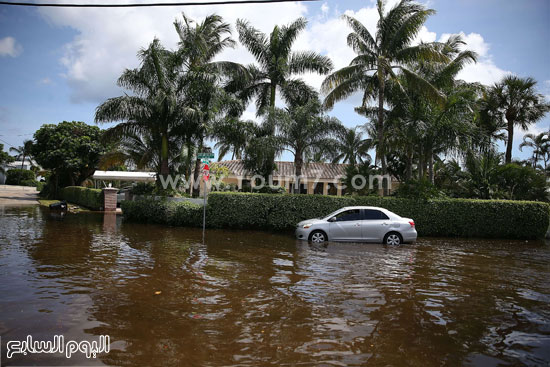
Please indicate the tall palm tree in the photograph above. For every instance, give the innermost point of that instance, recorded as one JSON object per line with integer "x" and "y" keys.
{"x": 380, "y": 57}
{"x": 199, "y": 44}
{"x": 23, "y": 151}
{"x": 539, "y": 143}
{"x": 518, "y": 104}
{"x": 302, "y": 127}
{"x": 154, "y": 108}
{"x": 175, "y": 93}
{"x": 277, "y": 65}
{"x": 352, "y": 148}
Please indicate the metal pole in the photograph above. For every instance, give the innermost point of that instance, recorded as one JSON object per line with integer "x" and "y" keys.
{"x": 204, "y": 210}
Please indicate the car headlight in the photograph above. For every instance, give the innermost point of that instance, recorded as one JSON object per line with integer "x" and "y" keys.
{"x": 307, "y": 225}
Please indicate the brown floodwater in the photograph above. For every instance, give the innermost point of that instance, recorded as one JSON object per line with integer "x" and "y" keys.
{"x": 248, "y": 298}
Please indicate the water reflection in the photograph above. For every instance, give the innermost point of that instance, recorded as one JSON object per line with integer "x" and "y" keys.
{"x": 253, "y": 298}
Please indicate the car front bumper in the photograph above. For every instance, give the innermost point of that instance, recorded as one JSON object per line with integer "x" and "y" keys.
{"x": 302, "y": 233}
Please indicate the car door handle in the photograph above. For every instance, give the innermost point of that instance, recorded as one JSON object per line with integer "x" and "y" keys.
{"x": 357, "y": 224}
{"x": 385, "y": 224}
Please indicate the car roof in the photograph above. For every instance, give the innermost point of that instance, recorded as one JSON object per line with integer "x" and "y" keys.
{"x": 363, "y": 207}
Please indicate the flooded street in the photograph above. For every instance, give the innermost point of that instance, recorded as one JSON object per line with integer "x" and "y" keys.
{"x": 246, "y": 298}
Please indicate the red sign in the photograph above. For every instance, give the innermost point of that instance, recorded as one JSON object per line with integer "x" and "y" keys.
{"x": 206, "y": 172}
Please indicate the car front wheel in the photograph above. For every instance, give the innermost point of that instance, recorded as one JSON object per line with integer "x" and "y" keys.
{"x": 318, "y": 237}
{"x": 393, "y": 239}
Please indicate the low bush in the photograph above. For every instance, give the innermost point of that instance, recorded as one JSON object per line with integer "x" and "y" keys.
{"x": 268, "y": 189}
{"x": 89, "y": 198}
{"x": 151, "y": 210}
{"x": 23, "y": 177}
{"x": 440, "y": 217}
{"x": 143, "y": 188}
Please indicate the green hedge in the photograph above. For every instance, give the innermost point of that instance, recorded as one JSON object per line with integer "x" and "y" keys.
{"x": 17, "y": 176}
{"x": 450, "y": 217}
{"x": 89, "y": 198}
{"x": 149, "y": 210}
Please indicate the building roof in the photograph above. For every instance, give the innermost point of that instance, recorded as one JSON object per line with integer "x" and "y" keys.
{"x": 125, "y": 176}
{"x": 287, "y": 169}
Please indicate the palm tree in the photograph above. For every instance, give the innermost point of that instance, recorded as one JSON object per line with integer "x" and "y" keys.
{"x": 302, "y": 127}
{"x": 352, "y": 148}
{"x": 262, "y": 148}
{"x": 540, "y": 144}
{"x": 379, "y": 57}
{"x": 199, "y": 44}
{"x": 154, "y": 108}
{"x": 175, "y": 93}
{"x": 23, "y": 151}
{"x": 518, "y": 104}
{"x": 232, "y": 135}
{"x": 277, "y": 65}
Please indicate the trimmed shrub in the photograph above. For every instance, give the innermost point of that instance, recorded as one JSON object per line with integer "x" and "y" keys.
{"x": 448, "y": 217}
{"x": 143, "y": 188}
{"x": 17, "y": 176}
{"x": 150, "y": 210}
{"x": 89, "y": 198}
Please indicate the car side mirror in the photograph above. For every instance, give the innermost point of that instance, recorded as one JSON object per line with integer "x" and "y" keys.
{"x": 333, "y": 219}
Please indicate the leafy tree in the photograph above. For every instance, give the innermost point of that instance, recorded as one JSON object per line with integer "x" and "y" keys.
{"x": 540, "y": 144}
{"x": 71, "y": 150}
{"x": 351, "y": 147}
{"x": 277, "y": 65}
{"x": 521, "y": 183}
{"x": 232, "y": 135}
{"x": 378, "y": 59}
{"x": 5, "y": 158}
{"x": 515, "y": 102}
{"x": 262, "y": 148}
{"x": 23, "y": 152}
{"x": 481, "y": 171}
{"x": 153, "y": 108}
{"x": 175, "y": 94}
{"x": 300, "y": 128}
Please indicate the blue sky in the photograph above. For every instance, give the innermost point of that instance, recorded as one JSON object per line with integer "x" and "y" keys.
{"x": 59, "y": 64}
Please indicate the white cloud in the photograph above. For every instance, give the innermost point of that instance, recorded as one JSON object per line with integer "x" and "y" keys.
{"x": 10, "y": 47}
{"x": 325, "y": 9}
{"x": 109, "y": 40}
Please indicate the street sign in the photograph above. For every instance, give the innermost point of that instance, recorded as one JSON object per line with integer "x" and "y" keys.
{"x": 206, "y": 172}
{"x": 205, "y": 155}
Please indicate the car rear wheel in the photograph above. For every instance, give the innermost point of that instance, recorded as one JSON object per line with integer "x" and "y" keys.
{"x": 318, "y": 237}
{"x": 393, "y": 238}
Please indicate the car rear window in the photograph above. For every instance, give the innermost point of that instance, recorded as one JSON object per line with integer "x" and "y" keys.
{"x": 372, "y": 214}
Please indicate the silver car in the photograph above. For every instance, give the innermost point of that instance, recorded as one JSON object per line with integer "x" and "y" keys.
{"x": 358, "y": 224}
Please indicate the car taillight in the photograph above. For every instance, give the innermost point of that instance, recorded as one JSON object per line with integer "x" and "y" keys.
{"x": 411, "y": 222}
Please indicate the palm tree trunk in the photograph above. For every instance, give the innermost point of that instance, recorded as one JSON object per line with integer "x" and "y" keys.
{"x": 23, "y": 161}
{"x": 188, "y": 168}
{"x": 272, "y": 98}
{"x": 510, "y": 140}
{"x": 420, "y": 164}
{"x": 298, "y": 163}
{"x": 408, "y": 174}
{"x": 431, "y": 166}
{"x": 164, "y": 170}
{"x": 380, "y": 132}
